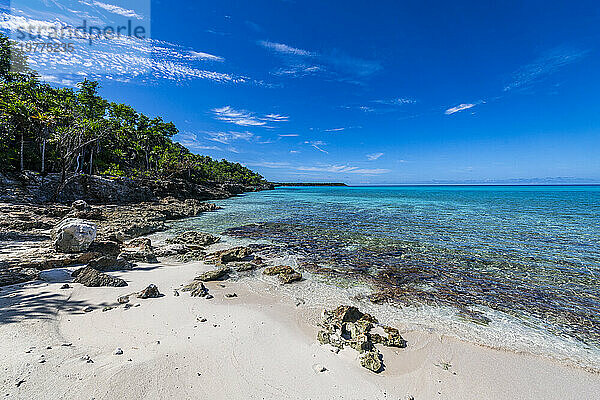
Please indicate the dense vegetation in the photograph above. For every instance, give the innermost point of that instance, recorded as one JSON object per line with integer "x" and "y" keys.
{"x": 76, "y": 131}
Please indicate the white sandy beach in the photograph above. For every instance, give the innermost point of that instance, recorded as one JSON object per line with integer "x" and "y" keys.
{"x": 258, "y": 345}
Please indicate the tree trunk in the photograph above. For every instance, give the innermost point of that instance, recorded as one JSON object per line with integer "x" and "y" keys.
{"x": 91, "y": 160}
{"x": 22, "y": 148}
{"x": 44, "y": 156}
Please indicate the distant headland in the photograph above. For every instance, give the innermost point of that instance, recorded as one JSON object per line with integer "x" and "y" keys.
{"x": 309, "y": 184}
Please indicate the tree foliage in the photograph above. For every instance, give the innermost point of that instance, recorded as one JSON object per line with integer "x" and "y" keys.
{"x": 49, "y": 129}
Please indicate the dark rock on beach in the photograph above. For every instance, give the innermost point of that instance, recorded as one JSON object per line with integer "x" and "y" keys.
{"x": 90, "y": 277}
{"x": 196, "y": 289}
{"x": 150, "y": 292}
{"x": 214, "y": 275}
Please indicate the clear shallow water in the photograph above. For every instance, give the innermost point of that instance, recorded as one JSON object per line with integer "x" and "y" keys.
{"x": 514, "y": 266}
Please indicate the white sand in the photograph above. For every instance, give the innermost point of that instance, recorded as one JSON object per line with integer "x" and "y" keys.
{"x": 263, "y": 347}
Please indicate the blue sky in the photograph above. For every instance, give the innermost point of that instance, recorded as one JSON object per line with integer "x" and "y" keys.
{"x": 369, "y": 92}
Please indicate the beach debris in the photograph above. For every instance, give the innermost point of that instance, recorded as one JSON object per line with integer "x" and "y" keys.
{"x": 230, "y": 295}
{"x": 214, "y": 275}
{"x": 139, "y": 249}
{"x": 20, "y": 382}
{"x": 87, "y": 359}
{"x": 194, "y": 239}
{"x": 285, "y": 273}
{"x": 118, "y": 351}
{"x": 150, "y": 292}
{"x": 73, "y": 235}
{"x": 88, "y": 309}
{"x": 66, "y": 286}
{"x": 229, "y": 255}
{"x": 176, "y": 293}
{"x": 123, "y": 299}
{"x": 444, "y": 365}
{"x": 196, "y": 289}
{"x": 67, "y": 344}
{"x": 318, "y": 368}
{"x": 90, "y": 277}
{"x": 348, "y": 326}
{"x": 201, "y": 319}
{"x": 209, "y": 296}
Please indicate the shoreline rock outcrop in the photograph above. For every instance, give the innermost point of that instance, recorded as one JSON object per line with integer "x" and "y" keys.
{"x": 348, "y": 326}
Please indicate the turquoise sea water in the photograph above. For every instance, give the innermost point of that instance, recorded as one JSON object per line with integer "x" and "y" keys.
{"x": 514, "y": 266}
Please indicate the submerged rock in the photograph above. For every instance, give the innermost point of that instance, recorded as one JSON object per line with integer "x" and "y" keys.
{"x": 214, "y": 275}
{"x": 285, "y": 273}
{"x": 73, "y": 235}
{"x": 279, "y": 269}
{"x": 194, "y": 239}
{"x": 90, "y": 277}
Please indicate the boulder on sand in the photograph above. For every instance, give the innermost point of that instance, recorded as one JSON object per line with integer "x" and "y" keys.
{"x": 214, "y": 275}
{"x": 149, "y": 293}
{"x": 73, "y": 235}
{"x": 88, "y": 276}
{"x": 229, "y": 255}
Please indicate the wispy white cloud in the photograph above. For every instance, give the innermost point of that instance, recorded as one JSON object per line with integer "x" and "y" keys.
{"x": 242, "y": 118}
{"x": 275, "y": 118}
{"x": 285, "y": 49}
{"x": 317, "y": 145}
{"x": 545, "y": 65}
{"x": 206, "y": 56}
{"x": 114, "y": 9}
{"x": 332, "y": 168}
{"x": 396, "y": 102}
{"x": 228, "y": 137}
{"x": 118, "y": 58}
{"x": 246, "y": 118}
{"x": 334, "y": 65}
{"x": 334, "y": 130}
{"x": 374, "y": 156}
{"x": 289, "y": 135}
{"x": 344, "y": 169}
{"x": 458, "y": 108}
